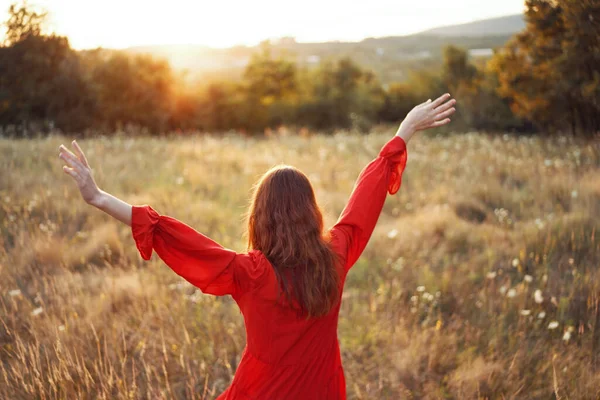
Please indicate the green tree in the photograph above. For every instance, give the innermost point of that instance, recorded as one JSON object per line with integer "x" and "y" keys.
{"x": 41, "y": 79}
{"x": 549, "y": 72}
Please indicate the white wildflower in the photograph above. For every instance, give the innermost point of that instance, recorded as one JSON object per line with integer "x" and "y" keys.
{"x": 37, "y": 311}
{"x": 574, "y": 194}
{"x": 15, "y": 292}
{"x": 491, "y": 275}
{"x": 547, "y": 162}
{"x": 428, "y": 296}
{"x": 393, "y": 233}
{"x": 511, "y": 293}
{"x": 414, "y": 299}
{"x": 553, "y": 325}
{"x": 61, "y": 328}
{"x": 542, "y": 315}
{"x": 503, "y": 289}
{"x": 525, "y": 312}
{"x": 539, "y": 299}
{"x": 420, "y": 288}
{"x": 515, "y": 262}
{"x": 528, "y": 278}
{"x": 567, "y": 336}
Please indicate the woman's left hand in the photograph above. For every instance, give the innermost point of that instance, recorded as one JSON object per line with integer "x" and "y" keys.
{"x": 80, "y": 170}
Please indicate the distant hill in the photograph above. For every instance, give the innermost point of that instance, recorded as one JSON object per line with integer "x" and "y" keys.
{"x": 507, "y": 25}
{"x": 389, "y": 57}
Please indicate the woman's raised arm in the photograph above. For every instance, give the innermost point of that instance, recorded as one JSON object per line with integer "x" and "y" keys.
{"x": 381, "y": 176}
{"x": 193, "y": 256}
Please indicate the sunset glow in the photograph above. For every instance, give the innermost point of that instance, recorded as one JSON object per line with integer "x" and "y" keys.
{"x": 121, "y": 24}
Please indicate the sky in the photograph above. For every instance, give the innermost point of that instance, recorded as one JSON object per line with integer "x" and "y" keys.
{"x": 223, "y": 23}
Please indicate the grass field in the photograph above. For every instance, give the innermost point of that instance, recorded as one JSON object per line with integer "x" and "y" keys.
{"x": 482, "y": 279}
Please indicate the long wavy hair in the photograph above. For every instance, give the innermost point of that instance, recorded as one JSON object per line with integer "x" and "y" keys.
{"x": 285, "y": 223}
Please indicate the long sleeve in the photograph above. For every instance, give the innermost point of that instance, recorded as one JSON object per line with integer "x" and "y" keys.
{"x": 195, "y": 257}
{"x": 358, "y": 219}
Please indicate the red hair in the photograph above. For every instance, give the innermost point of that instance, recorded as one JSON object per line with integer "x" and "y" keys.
{"x": 286, "y": 225}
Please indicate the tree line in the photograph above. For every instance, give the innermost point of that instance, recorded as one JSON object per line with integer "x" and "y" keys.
{"x": 544, "y": 79}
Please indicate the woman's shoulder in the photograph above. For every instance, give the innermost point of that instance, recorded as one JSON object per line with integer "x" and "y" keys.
{"x": 252, "y": 265}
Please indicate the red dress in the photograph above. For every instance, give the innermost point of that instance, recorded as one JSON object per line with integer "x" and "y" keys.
{"x": 286, "y": 356}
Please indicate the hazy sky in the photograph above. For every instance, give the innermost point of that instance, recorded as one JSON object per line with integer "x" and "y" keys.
{"x": 219, "y": 23}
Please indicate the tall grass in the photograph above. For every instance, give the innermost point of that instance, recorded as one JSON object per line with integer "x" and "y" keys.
{"x": 481, "y": 280}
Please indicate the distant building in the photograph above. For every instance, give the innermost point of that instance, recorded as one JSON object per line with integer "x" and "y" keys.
{"x": 481, "y": 52}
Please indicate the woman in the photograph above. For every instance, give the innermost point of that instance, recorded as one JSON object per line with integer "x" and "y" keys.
{"x": 288, "y": 284}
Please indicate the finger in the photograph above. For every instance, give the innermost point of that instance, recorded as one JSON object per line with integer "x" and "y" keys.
{"x": 424, "y": 103}
{"x": 71, "y": 159}
{"x": 439, "y": 123}
{"x": 440, "y": 100}
{"x": 445, "y": 114}
{"x": 71, "y": 171}
{"x": 446, "y": 105}
{"x": 82, "y": 158}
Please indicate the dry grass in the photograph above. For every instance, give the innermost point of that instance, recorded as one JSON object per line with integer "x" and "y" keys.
{"x": 491, "y": 241}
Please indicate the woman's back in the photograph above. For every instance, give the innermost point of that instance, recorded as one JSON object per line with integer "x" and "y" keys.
{"x": 286, "y": 353}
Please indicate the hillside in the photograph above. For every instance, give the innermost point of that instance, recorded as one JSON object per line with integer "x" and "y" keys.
{"x": 507, "y": 25}
{"x": 389, "y": 57}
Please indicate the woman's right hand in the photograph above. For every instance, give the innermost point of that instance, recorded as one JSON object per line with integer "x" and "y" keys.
{"x": 427, "y": 115}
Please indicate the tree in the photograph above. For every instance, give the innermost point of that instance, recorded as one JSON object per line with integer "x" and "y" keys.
{"x": 549, "y": 72}
{"x": 22, "y": 23}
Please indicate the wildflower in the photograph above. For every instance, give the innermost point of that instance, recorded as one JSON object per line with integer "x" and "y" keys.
{"x": 567, "y": 336}
{"x": 15, "y": 292}
{"x": 393, "y": 233}
{"x": 547, "y": 162}
{"x": 571, "y": 261}
{"x": 542, "y": 315}
{"x": 61, "y": 328}
{"x": 428, "y": 296}
{"x": 553, "y": 325}
{"x": 503, "y": 289}
{"x": 515, "y": 262}
{"x": 420, "y": 288}
{"x": 414, "y": 299}
{"x": 528, "y": 278}
{"x": 539, "y": 299}
{"x": 37, "y": 311}
{"x": 540, "y": 224}
{"x": 511, "y": 293}
{"x": 525, "y": 312}
{"x": 574, "y": 194}
{"x": 491, "y": 275}
{"x": 179, "y": 180}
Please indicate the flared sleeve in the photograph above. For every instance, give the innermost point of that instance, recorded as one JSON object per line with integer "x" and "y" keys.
{"x": 357, "y": 221}
{"x": 193, "y": 256}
